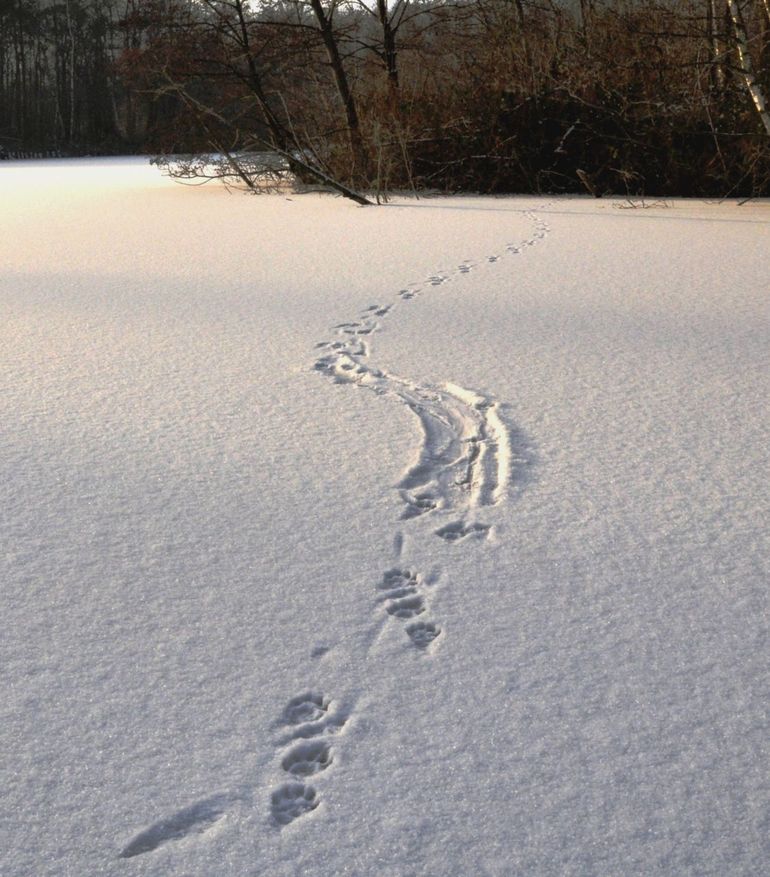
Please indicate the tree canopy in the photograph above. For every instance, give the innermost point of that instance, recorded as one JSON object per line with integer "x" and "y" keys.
{"x": 622, "y": 96}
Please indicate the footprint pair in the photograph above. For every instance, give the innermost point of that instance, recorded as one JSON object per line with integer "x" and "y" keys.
{"x": 309, "y": 716}
{"x": 402, "y": 598}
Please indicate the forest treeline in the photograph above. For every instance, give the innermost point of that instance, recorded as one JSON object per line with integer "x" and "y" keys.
{"x": 605, "y": 96}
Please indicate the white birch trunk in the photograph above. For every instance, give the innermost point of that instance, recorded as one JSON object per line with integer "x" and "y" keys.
{"x": 747, "y": 69}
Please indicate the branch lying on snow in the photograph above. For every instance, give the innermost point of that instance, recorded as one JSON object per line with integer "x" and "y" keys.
{"x": 265, "y": 172}
{"x": 637, "y": 203}
{"x": 295, "y": 159}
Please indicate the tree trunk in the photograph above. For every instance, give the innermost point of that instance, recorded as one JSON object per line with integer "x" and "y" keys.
{"x": 360, "y": 170}
{"x": 277, "y": 130}
{"x": 586, "y": 11}
{"x": 21, "y": 76}
{"x": 716, "y": 68}
{"x": 71, "y": 78}
{"x": 747, "y": 70}
{"x": 765, "y": 52}
{"x": 525, "y": 41}
{"x": 390, "y": 52}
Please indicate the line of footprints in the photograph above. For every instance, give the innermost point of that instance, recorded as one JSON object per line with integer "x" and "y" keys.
{"x": 541, "y": 230}
{"x": 310, "y": 718}
{"x": 402, "y": 593}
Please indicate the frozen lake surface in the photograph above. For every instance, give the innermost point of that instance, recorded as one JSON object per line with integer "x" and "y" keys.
{"x": 426, "y": 539}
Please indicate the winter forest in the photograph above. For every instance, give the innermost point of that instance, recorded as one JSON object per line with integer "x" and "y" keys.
{"x": 598, "y": 96}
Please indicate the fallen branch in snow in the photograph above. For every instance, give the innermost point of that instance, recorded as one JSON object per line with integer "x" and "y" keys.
{"x": 295, "y": 159}
{"x": 640, "y": 203}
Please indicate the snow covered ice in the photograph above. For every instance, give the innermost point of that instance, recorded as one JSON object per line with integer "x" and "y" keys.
{"x": 428, "y": 539}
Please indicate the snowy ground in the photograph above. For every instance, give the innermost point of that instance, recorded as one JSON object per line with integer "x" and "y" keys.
{"x": 428, "y": 539}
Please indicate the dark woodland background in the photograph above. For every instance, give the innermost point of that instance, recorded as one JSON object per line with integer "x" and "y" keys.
{"x": 621, "y": 96}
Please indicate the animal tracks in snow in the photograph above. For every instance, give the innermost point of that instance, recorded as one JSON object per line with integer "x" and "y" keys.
{"x": 465, "y": 460}
{"x": 306, "y": 708}
{"x": 398, "y": 579}
{"x": 406, "y": 607}
{"x": 422, "y": 633}
{"x": 309, "y": 751}
{"x": 291, "y": 801}
{"x": 311, "y": 720}
{"x": 308, "y": 758}
{"x": 468, "y": 457}
{"x": 311, "y": 715}
{"x": 460, "y": 530}
{"x": 402, "y": 592}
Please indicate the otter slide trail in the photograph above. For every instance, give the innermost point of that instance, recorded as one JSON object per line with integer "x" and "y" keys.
{"x": 466, "y": 459}
{"x": 356, "y": 542}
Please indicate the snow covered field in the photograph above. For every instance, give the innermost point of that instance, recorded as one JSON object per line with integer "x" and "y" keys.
{"x": 428, "y": 539}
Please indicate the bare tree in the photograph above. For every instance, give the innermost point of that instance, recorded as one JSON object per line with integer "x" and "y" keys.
{"x": 642, "y": 96}
{"x": 325, "y": 19}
